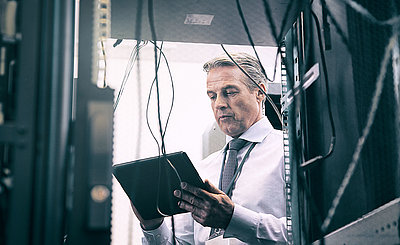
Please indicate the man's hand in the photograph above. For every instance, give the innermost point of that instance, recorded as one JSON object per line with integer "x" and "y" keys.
{"x": 147, "y": 224}
{"x": 210, "y": 207}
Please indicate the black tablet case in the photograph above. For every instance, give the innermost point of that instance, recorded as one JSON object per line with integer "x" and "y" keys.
{"x": 147, "y": 180}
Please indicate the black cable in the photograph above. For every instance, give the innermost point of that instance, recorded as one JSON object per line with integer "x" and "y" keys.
{"x": 239, "y": 7}
{"x": 172, "y": 86}
{"x": 268, "y": 14}
{"x": 158, "y": 102}
{"x": 172, "y": 105}
{"x": 277, "y": 39}
{"x": 266, "y": 6}
{"x": 138, "y": 27}
{"x": 246, "y": 28}
{"x": 327, "y": 29}
{"x": 154, "y": 37}
{"x": 151, "y": 88}
{"x": 147, "y": 108}
{"x": 169, "y": 114}
{"x": 270, "y": 20}
{"x": 165, "y": 128}
{"x": 310, "y": 163}
{"x": 103, "y": 51}
{"x": 337, "y": 26}
{"x": 117, "y": 42}
{"x": 132, "y": 58}
{"x": 285, "y": 20}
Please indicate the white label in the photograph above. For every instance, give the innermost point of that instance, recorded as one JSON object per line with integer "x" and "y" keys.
{"x": 199, "y": 19}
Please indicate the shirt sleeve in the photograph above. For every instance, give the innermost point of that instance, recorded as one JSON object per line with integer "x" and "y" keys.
{"x": 163, "y": 234}
{"x": 256, "y": 228}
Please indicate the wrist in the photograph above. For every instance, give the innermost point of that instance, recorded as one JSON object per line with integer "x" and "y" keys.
{"x": 151, "y": 226}
{"x": 229, "y": 217}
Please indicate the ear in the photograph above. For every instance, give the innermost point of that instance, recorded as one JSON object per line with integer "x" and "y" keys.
{"x": 260, "y": 94}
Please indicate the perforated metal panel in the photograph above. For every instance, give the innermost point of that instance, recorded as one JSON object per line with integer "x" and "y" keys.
{"x": 179, "y": 20}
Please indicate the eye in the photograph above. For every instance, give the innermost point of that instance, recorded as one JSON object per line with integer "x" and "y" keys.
{"x": 231, "y": 93}
{"x": 212, "y": 96}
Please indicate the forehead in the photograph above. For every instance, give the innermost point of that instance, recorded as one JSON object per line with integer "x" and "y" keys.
{"x": 225, "y": 76}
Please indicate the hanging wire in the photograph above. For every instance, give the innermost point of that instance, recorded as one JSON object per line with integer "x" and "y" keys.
{"x": 128, "y": 69}
{"x": 239, "y": 8}
{"x": 148, "y": 105}
{"x": 151, "y": 88}
{"x": 103, "y": 50}
{"x": 172, "y": 85}
{"x": 270, "y": 20}
{"x": 339, "y": 30}
{"x": 279, "y": 38}
{"x": 150, "y": 10}
{"x": 165, "y": 128}
{"x": 154, "y": 37}
{"x": 246, "y": 28}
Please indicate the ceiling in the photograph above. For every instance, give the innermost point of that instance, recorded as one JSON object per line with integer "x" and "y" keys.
{"x": 202, "y": 21}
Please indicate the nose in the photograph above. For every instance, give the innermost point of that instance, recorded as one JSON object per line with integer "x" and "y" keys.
{"x": 220, "y": 102}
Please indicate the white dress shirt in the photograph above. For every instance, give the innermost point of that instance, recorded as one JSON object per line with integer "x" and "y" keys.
{"x": 259, "y": 213}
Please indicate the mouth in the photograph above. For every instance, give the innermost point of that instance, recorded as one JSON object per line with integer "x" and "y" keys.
{"x": 224, "y": 117}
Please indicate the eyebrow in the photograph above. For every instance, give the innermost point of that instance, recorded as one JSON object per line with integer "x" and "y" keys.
{"x": 224, "y": 88}
{"x": 229, "y": 86}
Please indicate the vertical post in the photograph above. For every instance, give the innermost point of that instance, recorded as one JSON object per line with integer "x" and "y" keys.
{"x": 89, "y": 219}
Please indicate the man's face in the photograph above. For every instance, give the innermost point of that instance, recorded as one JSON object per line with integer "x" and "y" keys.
{"x": 235, "y": 107}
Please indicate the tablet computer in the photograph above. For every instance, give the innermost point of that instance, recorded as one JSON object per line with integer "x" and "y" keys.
{"x": 149, "y": 183}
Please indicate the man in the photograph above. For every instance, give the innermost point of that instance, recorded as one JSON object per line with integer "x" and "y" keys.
{"x": 251, "y": 207}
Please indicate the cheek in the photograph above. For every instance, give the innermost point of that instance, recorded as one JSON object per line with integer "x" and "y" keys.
{"x": 243, "y": 108}
{"x": 213, "y": 109}
{"x": 246, "y": 111}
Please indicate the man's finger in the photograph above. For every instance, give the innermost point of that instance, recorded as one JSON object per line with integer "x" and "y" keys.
{"x": 194, "y": 190}
{"x": 189, "y": 188}
{"x": 188, "y": 207}
{"x": 198, "y": 192}
{"x": 188, "y": 197}
{"x": 211, "y": 188}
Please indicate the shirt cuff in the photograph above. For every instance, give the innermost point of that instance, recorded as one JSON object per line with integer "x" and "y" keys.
{"x": 247, "y": 225}
{"x": 243, "y": 223}
{"x": 158, "y": 235}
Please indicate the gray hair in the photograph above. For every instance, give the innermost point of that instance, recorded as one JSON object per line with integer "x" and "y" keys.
{"x": 249, "y": 63}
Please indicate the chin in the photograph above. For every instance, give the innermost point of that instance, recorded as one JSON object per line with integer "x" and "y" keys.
{"x": 234, "y": 134}
{"x": 231, "y": 130}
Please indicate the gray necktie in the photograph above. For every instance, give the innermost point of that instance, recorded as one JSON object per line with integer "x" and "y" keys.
{"x": 227, "y": 174}
{"x": 231, "y": 163}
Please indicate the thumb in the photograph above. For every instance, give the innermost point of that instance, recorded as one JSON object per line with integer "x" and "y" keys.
{"x": 211, "y": 188}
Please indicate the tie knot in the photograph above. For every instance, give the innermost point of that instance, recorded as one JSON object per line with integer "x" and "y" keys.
{"x": 236, "y": 144}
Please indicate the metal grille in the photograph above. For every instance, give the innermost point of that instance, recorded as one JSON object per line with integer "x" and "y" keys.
{"x": 286, "y": 154}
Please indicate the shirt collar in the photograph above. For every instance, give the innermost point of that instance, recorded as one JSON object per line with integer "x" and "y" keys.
{"x": 257, "y": 132}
